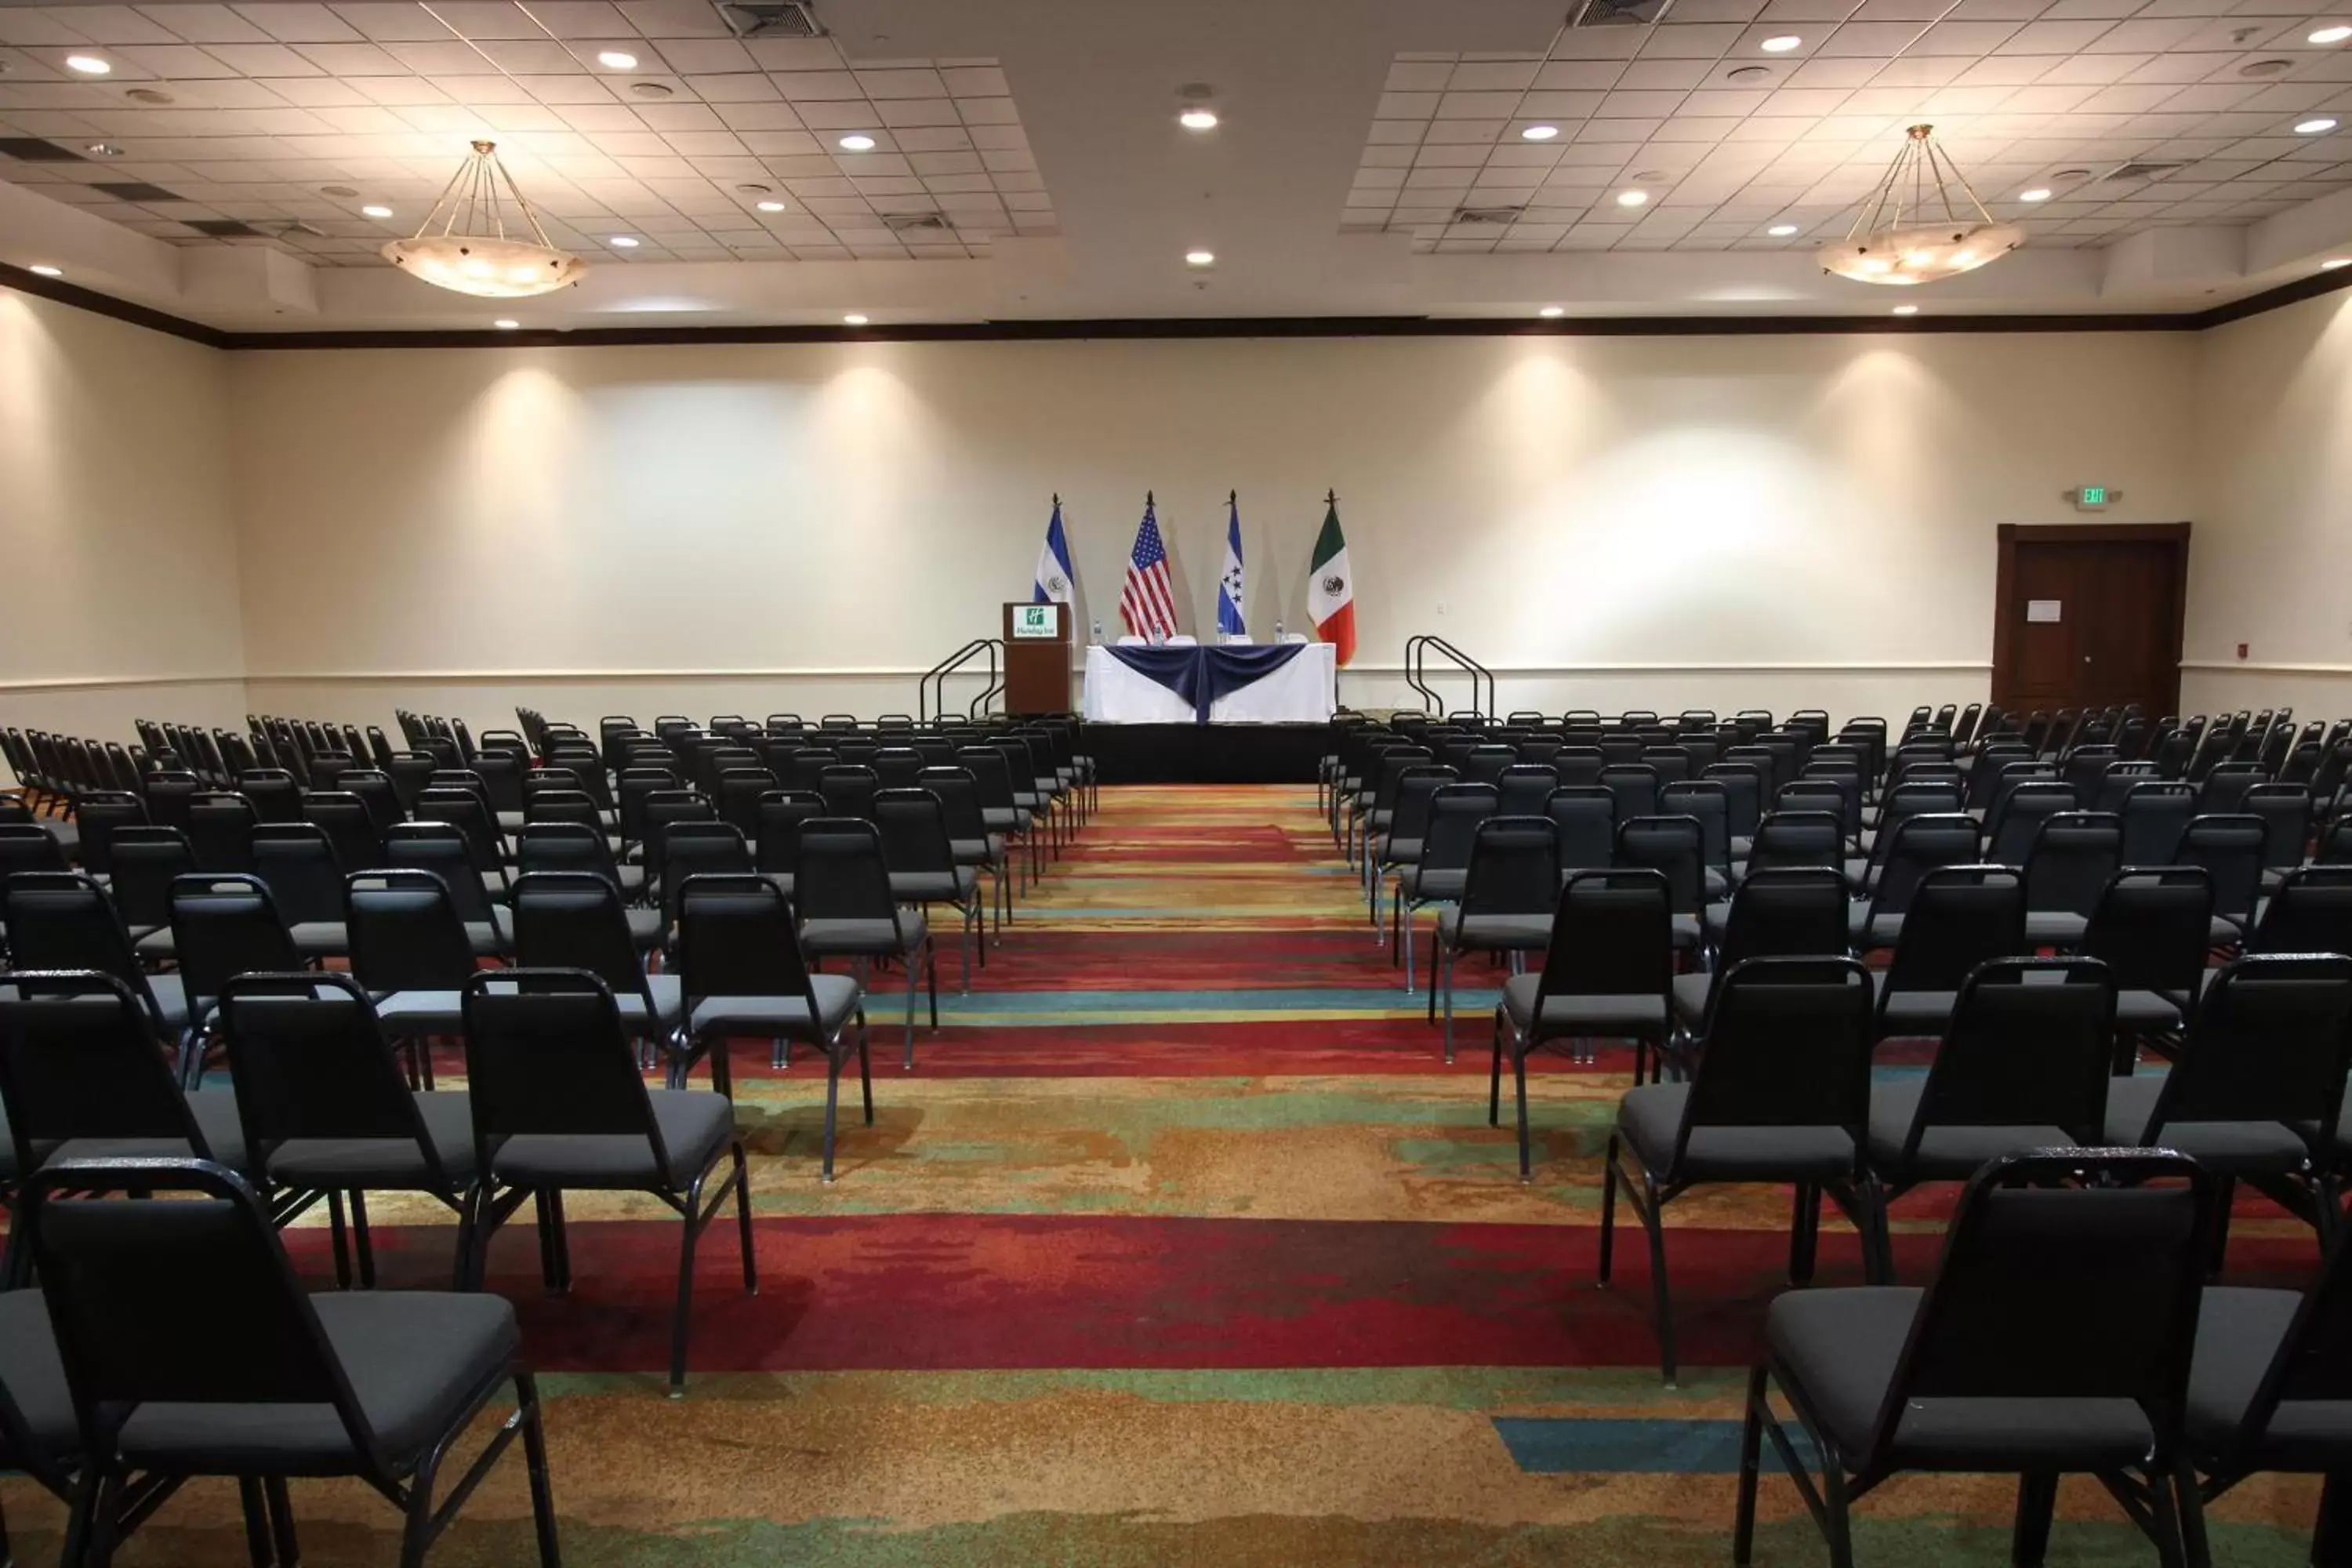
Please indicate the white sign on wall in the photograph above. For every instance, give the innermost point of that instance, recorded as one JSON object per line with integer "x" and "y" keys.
{"x": 2043, "y": 609}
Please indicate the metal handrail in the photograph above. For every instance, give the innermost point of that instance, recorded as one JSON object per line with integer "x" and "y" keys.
{"x": 1417, "y": 649}
{"x": 931, "y": 690}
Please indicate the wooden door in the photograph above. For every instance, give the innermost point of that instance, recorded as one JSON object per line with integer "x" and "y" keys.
{"x": 2090, "y": 616}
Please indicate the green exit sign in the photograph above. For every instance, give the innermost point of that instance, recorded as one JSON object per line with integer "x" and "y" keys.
{"x": 2094, "y": 498}
{"x": 2094, "y": 495}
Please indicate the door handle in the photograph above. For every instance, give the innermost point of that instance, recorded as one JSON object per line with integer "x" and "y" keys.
{"x": 2086, "y": 658}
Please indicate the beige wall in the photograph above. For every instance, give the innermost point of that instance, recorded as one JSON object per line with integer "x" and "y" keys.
{"x": 1767, "y": 521}
{"x": 2271, "y": 563}
{"x": 116, "y": 534}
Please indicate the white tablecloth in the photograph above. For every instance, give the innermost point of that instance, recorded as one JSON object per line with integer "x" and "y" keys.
{"x": 1303, "y": 691}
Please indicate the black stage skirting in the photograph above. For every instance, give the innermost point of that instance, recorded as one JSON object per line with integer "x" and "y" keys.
{"x": 1207, "y": 753}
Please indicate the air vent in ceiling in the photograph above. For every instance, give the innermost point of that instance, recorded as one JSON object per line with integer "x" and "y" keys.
{"x": 224, "y": 229}
{"x": 134, "y": 190}
{"x": 2130, "y": 172}
{"x": 1487, "y": 215}
{"x": 770, "y": 18}
{"x": 917, "y": 223}
{"x": 1618, "y": 12}
{"x": 32, "y": 150}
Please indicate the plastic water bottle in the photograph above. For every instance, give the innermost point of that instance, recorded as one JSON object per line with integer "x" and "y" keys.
{"x": 1277, "y": 631}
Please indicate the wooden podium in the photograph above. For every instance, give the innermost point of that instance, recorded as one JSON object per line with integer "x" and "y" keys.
{"x": 1037, "y": 657}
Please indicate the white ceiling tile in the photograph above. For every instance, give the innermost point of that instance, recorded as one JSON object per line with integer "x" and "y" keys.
{"x": 976, "y": 81}
{"x": 1514, "y": 75}
{"x": 1476, "y": 105}
{"x": 300, "y": 24}
{"x": 987, "y": 111}
{"x": 1418, "y": 75}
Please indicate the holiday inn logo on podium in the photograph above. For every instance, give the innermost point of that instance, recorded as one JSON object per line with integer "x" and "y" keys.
{"x": 1036, "y": 620}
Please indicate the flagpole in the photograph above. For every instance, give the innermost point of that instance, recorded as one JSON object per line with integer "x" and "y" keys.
{"x": 1330, "y": 498}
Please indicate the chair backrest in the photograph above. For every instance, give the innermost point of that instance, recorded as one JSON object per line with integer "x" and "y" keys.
{"x": 2013, "y": 825}
{"x": 1787, "y": 1044}
{"x": 841, "y": 873}
{"x": 1785, "y": 911}
{"x": 2052, "y": 1292}
{"x": 2226, "y": 785}
{"x": 698, "y": 848}
{"x": 1611, "y": 934}
{"x": 1785, "y": 838}
{"x": 1703, "y": 802}
{"x": 98, "y": 815}
{"x": 1917, "y": 845}
{"x": 2310, "y": 912}
{"x": 2152, "y": 928}
{"x": 1514, "y": 867}
{"x": 309, "y": 1059}
{"x": 1635, "y": 787}
{"x": 1839, "y": 793}
{"x": 737, "y": 936}
{"x": 2313, "y": 1363}
{"x": 914, "y": 829}
{"x": 2155, "y": 813}
{"x": 2028, "y": 1045}
{"x": 781, "y": 812}
{"x": 441, "y": 848}
{"x": 574, "y": 921}
{"x": 1455, "y": 813}
{"x": 275, "y": 795}
{"x": 2269, "y": 1042}
{"x": 298, "y": 862}
{"x": 1743, "y": 795}
{"x": 546, "y": 1054}
{"x": 220, "y": 830}
{"x": 146, "y": 859}
{"x": 226, "y": 924}
{"x": 78, "y": 1059}
{"x": 2286, "y": 813}
{"x": 1523, "y": 789}
{"x": 848, "y": 790}
{"x": 1959, "y": 917}
{"x": 1408, "y": 812}
{"x": 1676, "y": 848}
{"x": 1585, "y": 816}
{"x": 2230, "y": 849}
{"x": 2074, "y": 855}
{"x": 350, "y": 826}
{"x": 28, "y": 847}
{"x": 181, "y": 1296}
{"x": 405, "y": 932}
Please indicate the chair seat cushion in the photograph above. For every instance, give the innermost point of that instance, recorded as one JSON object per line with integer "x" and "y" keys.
{"x": 170, "y": 999}
{"x": 321, "y": 939}
{"x": 985, "y": 851}
{"x": 386, "y": 1164}
{"x": 872, "y": 938}
{"x": 1420, "y": 884}
{"x": 670, "y": 1004}
{"x": 1841, "y": 1348}
{"x": 415, "y": 1360}
{"x": 1525, "y": 933}
{"x": 769, "y": 1017}
{"x": 1686, "y": 934}
{"x": 1401, "y": 852}
{"x": 957, "y": 886}
{"x": 155, "y": 946}
{"x": 1650, "y": 1115}
{"x": 1916, "y": 1013}
{"x": 1004, "y": 818}
{"x": 493, "y": 937}
{"x": 2055, "y": 928}
{"x": 694, "y": 1127}
{"x": 2228, "y": 1147}
{"x": 2238, "y": 1331}
{"x": 1946, "y": 1153}
{"x": 215, "y": 1115}
{"x": 1690, "y": 995}
{"x": 1601, "y": 1015}
{"x": 1865, "y": 929}
{"x": 2147, "y": 1011}
{"x": 35, "y": 1379}
{"x": 407, "y": 1015}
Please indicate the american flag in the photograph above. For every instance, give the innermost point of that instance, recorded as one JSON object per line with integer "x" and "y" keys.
{"x": 1148, "y": 603}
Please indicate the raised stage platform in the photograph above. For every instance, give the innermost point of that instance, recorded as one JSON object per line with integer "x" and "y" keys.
{"x": 1207, "y": 753}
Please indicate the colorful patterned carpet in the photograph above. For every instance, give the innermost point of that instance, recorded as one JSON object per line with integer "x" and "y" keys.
{"x": 1179, "y": 1244}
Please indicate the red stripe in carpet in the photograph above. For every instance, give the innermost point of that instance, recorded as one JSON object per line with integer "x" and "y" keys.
{"x": 920, "y": 1291}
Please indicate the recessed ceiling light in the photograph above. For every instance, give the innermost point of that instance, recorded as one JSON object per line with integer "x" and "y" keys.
{"x": 1906, "y": 310}
{"x": 376, "y": 210}
{"x": 340, "y": 193}
{"x": 2266, "y": 68}
{"x": 2314, "y": 127}
{"x": 1537, "y": 132}
{"x": 1199, "y": 259}
{"x": 857, "y": 143}
{"x": 506, "y": 324}
{"x": 89, "y": 64}
{"x": 2335, "y": 34}
{"x": 147, "y": 95}
{"x": 46, "y": 271}
{"x": 618, "y": 60}
{"x": 853, "y": 320}
{"x": 657, "y": 91}
{"x": 2037, "y": 194}
{"x": 1552, "y": 312}
{"x": 1781, "y": 230}
{"x": 1780, "y": 45}
{"x": 771, "y": 206}
{"x": 1198, "y": 119}
{"x": 1631, "y": 199}
{"x": 2333, "y": 262}
{"x": 623, "y": 241}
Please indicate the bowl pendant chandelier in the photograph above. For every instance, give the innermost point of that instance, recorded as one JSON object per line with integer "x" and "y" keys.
{"x": 464, "y": 244}
{"x": 1910, "y": 232}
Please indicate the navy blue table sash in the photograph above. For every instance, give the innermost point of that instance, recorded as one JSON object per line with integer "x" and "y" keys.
{"x": 1201, "y": 675}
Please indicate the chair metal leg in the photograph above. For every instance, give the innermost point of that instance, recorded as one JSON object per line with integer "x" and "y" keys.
{"x": 281, "y": 1522}
{"x": 1494, "y": 1074}
{"x": 689, "y": 1232}
{"x": 2037, "y": 1501}
{"x": 1449, "y": 1007}
{"x": 914, "y": 978}
{"x": 362, "y": 1245}
{"x": 258, "y": 1548}
{"x": 931, "y": 978}
{"x": 1751, "y": 1442}
{"x": 1520, "y": 1078}
{"x": 340, "y": 1240}
{"x": 1608, "y": 1210}
{"x": 743, "y": 1220}
{"x": 1835, "y": 1522}
{"x": 542, "y": 1489}
{"x": 832, "y": 1101}
{"x": 2195, "y": 1549}
{"x": 1804, "y": 1233}
{"x": 416, "y": 1527}
{"x": 1654, "y": 1223}
{"x": 864, "y": 1067}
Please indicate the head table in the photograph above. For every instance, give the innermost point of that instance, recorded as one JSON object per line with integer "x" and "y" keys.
{"x": 1185, "y": 683}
